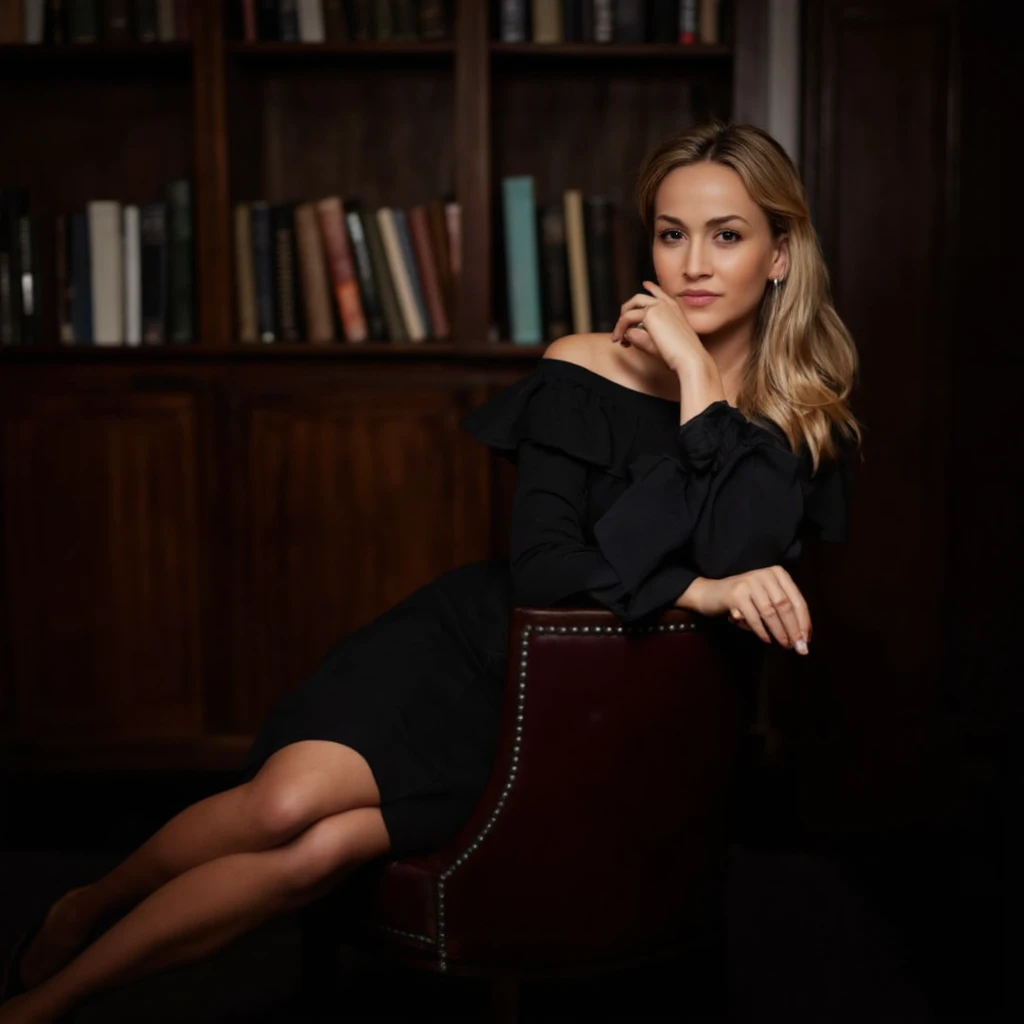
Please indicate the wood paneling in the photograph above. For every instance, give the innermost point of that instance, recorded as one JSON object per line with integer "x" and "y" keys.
{"x": 100, "y": 529}
{"x": 346, "y": 501}
{"x": 874, "y": 732}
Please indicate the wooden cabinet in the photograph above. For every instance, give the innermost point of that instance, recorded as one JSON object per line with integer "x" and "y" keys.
{"x": 100, "y": 531}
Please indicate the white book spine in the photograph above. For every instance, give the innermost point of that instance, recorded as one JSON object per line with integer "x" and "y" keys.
{"x": 311, "y": 21}
{"x": 104, "y": 217}
{"x": 414, "y": 324}
{"x": 132, "y": 278}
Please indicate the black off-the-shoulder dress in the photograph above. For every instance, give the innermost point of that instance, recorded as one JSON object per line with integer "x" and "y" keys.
{"x": 616, "y": 506}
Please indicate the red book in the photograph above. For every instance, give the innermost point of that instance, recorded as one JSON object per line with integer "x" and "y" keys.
{"x": 426, "y": 265}
{"x": 342, "y": 269}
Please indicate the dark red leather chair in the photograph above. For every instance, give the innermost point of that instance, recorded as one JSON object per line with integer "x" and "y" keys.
{"x": 600, "y": 841}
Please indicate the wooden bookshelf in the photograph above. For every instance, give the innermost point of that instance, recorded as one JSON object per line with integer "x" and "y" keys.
{"x": 188, "y": 528}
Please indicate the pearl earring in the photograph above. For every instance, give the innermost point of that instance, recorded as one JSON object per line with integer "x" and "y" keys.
{"x": 776, "y": 282}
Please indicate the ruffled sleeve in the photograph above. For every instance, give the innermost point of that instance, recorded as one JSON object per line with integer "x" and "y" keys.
{"x": 549, "y": 409}
{"x": 733, "y": 498}
{"x": 555, "y": 428}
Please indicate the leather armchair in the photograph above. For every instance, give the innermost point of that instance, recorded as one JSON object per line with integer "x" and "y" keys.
{"x": 600, "y": 840}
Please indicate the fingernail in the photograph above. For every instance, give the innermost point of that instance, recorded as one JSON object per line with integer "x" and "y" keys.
{"x": 626, "y": 344}
{"x": 801, "y": 647}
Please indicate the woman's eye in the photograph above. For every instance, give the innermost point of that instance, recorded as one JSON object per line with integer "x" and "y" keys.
{"x": 671, "y": 235}
{"x": 734, "y": 236}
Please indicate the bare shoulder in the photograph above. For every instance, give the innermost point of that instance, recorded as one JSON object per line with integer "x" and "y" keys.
{"x": 582, "y": 349}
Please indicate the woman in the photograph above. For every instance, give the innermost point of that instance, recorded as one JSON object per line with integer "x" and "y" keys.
{"x": 679, "y": 461}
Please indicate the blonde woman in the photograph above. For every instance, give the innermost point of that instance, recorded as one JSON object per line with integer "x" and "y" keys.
{"x": 680, "y": 460}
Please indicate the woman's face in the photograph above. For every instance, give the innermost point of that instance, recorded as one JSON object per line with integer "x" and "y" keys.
{"x": 713, "y": 248}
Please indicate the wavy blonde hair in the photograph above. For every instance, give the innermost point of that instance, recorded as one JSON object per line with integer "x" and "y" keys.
{"x": 803, "y": 363}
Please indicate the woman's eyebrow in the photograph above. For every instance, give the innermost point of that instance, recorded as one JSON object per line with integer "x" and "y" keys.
{"x": 713, "y": 222}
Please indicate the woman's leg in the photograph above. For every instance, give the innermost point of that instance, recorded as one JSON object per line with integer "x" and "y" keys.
{"x": 298, "y": 785}
{"x": 206, "y": 907}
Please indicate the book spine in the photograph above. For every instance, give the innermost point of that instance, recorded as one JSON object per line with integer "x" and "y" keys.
{"x": 598, "y": 233}
{"x": 547, "y": 21}
{"x": 513, "y": 24}
{"x": 81, "y": 277}
{"x": 62, "y": 285}
{"x": 709, "y": 32}
{"x": 263, "y": 265}
{"x": 13, "y": 207}
{"x": 409, "y": 258}
{"x": 116, "y": 23}
{"x": 107, "y": 274}
{"x": 132, "y": 276}
{"x": 288, "y": 21}
{"x": 181, "y": 307}
{"x": 433, "y": 21}
{"x": 83, "y": 21}
{"x": 342, "y": 271}
{"x": 443, "y": 258}
{"x": 364, "y": 274}
{"x": 311, "y": 21}
{"x": 630, "y": 21}
{"x": 522, "y": 273}
{"x": 688, "y": 22}
{"x": 664, "y": 21}
{"x": 382, "y": 275}
{"x": 147, "y": 21}
{"x": 604, "y": 21}
{"x": 406, "y": 19}
{"x": 285, "y": 273}
{"x": 245, "y": 275}
{"x": 335, "y": 23}
{"x": 415, "y": 326}
{"x": 453, "y": 224}
{"x": 575, "y": 244}
{"x": 554, "y": 273}
{"x": 165, "y": 28}
{"x": 316, "y": 292}
{"x": 153, "y": 244}
{"x": 12, "y": 22}
{"x": 426, "y": 265}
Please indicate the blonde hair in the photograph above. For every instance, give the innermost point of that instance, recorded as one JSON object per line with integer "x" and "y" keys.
{"x": 803, "y": 363}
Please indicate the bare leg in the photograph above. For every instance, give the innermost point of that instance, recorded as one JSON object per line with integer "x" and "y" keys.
{"x": 205, "y": 908}
{"x": 300, "y": 784}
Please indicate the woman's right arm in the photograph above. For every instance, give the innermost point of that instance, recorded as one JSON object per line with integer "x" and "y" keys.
{"x": 550, "y": 561}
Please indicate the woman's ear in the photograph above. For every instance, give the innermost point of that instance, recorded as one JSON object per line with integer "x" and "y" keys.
{"x": 780, "y": 258}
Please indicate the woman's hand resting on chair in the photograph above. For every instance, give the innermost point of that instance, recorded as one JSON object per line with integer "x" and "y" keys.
{"x": 766, "y": 601}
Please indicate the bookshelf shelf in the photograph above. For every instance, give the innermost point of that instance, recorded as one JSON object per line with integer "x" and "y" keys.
{"x": 237, "y": 352}
{"x": 26, "y": 53}
{"x": 610, "y": 51}
{"x": 396, "y": 48}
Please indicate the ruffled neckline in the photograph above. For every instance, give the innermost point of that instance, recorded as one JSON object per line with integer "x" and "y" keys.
{"x": 601, "y": 384}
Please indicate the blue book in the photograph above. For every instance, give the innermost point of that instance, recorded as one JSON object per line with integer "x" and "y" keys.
{"x": 402, "y": 227}
{"x": 522, "y": 270}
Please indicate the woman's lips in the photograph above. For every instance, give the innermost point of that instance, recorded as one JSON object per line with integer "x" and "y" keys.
{"x": 698, "y": 300}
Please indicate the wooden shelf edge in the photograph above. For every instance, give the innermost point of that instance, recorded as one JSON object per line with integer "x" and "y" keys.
{"x": 133, "y": 49}
{"x": 398, "y": 46}
{"x": 611, "y": 50}
{"x": 100, "y": 355}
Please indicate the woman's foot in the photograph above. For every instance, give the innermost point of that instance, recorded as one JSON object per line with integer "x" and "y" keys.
{"x": 65, "y": 930}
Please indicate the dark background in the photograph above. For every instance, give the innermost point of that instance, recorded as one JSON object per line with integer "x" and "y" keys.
{"x": 873, "y": 813}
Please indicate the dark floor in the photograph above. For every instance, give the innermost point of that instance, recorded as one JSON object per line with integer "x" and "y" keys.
{"x": 890, "y": 928}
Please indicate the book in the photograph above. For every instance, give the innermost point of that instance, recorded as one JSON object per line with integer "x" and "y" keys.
{"x": 180, "y": 263}
{"x": 394, "y": 322}
{"x": 554, "y": 272}
{"x": 415, "y": 324}
{"x": 153, "y": 247}
{"x": 341, "y": 269}
{"x": 286, "y": 283}
{"x": 315, "y": 288}
{"x": 105, "y": 260}
{"x": 576, "y": 252}
{"x": 522, "y": 274}
{"x": 426, "y": 266}
{"x": 81, "y": 279}
{"x": 132, "y": 266}
{"x": 597, "y": 224}
{"x": 245, "y": 275}
{"x": 263, "y": 266}
{"x": 412, "y": 270}
{"x": 364, "y": 271}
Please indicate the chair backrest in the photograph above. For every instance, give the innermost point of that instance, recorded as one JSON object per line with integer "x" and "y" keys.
{"x": 603, "y": 827}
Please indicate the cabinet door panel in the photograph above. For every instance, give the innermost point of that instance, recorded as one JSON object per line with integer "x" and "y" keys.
{"x": 100, "y": 544}
{"x": 347, "y": 505}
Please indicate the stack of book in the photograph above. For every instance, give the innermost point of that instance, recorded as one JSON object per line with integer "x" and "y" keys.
{"x": 93, "y": 21}
{"x": 121, "y": 274}
{"x": 338, "y": 21}
{"x": 569, "y": 265}
{"x": 611, "y": 21}
{"x": 323, "y": 271}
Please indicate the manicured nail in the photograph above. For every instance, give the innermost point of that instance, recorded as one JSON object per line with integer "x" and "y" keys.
{"x": 801, "y": 647}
